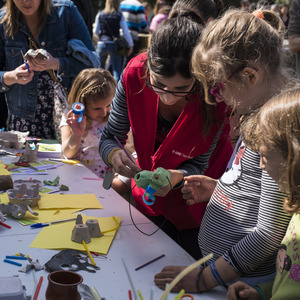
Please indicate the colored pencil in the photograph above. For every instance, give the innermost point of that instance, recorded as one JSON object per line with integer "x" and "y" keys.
{"x": 122, "y": 147}
{"x": 5, "y": 225}
{"x": 88, "y": 252}
{"x": 149, "y": 262}
{"x": 38, "y": 287}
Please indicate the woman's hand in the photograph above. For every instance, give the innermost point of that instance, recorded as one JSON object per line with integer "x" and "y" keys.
{"x": 176, "y": 177}
{"x": 240, "y": 290}
{"x": 122, "y": 164}
{"x": 77, "y": 128}
{"x": 20, "y": 75}
{"x": 39, "y": 64}
{"x": 198, "y": 188}
{"x": 168, "y": 273}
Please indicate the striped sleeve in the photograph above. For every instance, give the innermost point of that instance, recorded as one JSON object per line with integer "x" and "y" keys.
{"x": 118, "y": 124}
{"x": 255, "y": 248}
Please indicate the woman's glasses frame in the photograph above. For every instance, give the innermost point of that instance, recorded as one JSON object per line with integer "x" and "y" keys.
{"x": 159, "y": 90}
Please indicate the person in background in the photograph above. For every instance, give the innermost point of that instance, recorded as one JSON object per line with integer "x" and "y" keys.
{"x": 95, "y": 89}
{"x": 107, "y": 26}
{"x": 172, "y": 127}
{"x": 245, "y": 5}
{"x": 55, "y": 26}
{"x": 3, "y": 106}
{"x": 162, "y": 14}
{"x": 204, "y": 11}
{"x": 157, "y": 6}
{"x": 148, "y": 11}
{"x": 294, "y": 33}
{"x": 284, "y": 14}
{"x": 275, "y": 133}
{"x": 86, "y": 10}
{"x": 238, "y": 59}
{"x": 134, "y": 14}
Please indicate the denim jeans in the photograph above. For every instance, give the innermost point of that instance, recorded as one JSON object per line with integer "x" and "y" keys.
{"x": 108, "y": 48}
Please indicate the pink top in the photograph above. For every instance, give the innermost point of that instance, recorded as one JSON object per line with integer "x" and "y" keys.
{"x": 157, "y": 19}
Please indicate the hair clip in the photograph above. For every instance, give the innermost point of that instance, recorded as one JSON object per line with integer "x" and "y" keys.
{"x": 258, "y": 14}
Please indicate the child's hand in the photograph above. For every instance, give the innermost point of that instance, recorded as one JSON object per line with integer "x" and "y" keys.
{"x": 176, "y": 178}
{"x": 77, "y": 128}
{"x": 240, "y": 290}
{"x": 198, "y": 188}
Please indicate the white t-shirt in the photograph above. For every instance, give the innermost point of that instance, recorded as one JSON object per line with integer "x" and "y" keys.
{"x": 88, "y": 152}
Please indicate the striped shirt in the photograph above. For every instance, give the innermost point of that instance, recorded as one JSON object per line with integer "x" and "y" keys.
{"x": 135, "y": 18}
{"x": 244, "y": 221}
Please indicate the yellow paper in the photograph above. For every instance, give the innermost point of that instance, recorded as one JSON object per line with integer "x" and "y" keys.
{"x": 58, "y": 236}
{"x": 3, "y": 171}
{"x": 45, "y": 215}
{"x": 48, "y": 215}
{"x": 4, "y": 198}
{"x": 80, "y": 201}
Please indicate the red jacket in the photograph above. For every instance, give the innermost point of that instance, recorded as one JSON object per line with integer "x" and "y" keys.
{"x": 184, "y": 141}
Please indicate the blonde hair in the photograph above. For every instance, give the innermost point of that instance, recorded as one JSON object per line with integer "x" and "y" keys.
{"x": 11, "y": 16}
{"x": 91, "y": 85}
{"x": 237, "y": 40}
{"x": 277, "y": 125}
{"x": 111, "y": 6}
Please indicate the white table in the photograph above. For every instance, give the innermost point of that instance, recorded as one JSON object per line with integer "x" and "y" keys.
{"x": 131, "y": 245}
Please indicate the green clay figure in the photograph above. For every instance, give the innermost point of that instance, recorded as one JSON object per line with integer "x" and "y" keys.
{"x": 152, "y": 181}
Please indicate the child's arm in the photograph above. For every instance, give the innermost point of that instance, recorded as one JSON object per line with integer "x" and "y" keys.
{"x": 72, "y": 134}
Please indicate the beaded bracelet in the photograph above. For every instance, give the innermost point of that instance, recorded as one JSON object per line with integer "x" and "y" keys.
{"x": 198, "y": 279}
{"x": 216, "y": 275}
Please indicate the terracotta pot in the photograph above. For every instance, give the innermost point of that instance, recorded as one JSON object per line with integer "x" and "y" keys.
{"x": 62, "y": 285}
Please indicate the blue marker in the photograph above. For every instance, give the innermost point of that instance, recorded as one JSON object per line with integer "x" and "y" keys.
{"x": 25, "y": 62}
{"x": 78, "y": 109}
{"x": 12, "y": 262}
{"x": 16, "y": 257}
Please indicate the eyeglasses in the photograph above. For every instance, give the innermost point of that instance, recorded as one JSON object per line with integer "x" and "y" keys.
{"x": 215, "y": 90}
{"x": 159, "y": 90}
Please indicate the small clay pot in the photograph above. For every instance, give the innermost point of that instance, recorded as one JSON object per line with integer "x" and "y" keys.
{"x": 62, "y": 285}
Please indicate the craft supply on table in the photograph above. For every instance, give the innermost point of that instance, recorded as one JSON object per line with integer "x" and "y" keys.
{"x": 40, "y": 225}
{"x": 38, "y": 287}
{"x": 149, "y": 262}
{"x": 66, "y": 161}
{"x": 12, "y": 262}
{"x": 5, "y": 225}
{"x": 78, "y": 109}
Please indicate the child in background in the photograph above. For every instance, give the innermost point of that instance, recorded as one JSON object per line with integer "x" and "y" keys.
{"x": 275, "y": 133}
{"x": 95, "y": 89}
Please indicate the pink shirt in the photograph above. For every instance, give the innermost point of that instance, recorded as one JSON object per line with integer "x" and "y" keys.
{"x": 157, "y": 19}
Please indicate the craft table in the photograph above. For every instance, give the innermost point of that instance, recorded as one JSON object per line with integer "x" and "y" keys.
{"x": 134, "y": 247}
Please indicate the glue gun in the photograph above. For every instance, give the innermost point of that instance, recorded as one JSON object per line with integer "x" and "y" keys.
{"x": 152, "y": 181}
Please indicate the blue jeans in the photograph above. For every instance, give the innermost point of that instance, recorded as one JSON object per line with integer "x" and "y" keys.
{"x": 108, "y": 48}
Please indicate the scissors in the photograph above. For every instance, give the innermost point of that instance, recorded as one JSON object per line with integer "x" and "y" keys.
{"x": 187, "y": 297}
{"x": 25, "y": 62}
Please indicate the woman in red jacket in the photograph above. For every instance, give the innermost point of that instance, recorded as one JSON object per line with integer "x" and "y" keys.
{"x": 172, "y": 126}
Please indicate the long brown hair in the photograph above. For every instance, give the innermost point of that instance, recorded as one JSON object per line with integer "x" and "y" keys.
{"x": 277, "y": 126}
{"x": 236, "y": 40}
{"x": 11, "y": 17}
{"x": 91, "y": 85}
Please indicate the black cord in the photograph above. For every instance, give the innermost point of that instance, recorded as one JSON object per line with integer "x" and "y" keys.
{"x": 163, "y": 223}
